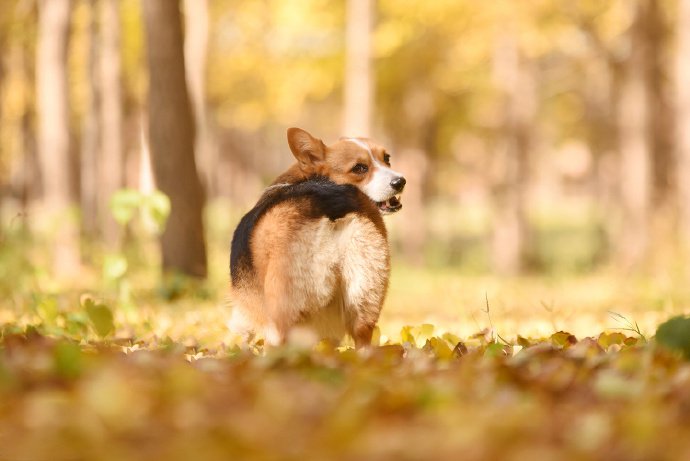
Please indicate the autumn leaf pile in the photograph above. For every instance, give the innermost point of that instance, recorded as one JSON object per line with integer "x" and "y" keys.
{"x": 424, "y": 396}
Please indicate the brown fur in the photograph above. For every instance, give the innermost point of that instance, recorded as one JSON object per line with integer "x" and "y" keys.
{"x": 331, "y": 275}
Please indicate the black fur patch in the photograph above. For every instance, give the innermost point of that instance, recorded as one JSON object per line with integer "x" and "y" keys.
{"x": 327, "y": 199}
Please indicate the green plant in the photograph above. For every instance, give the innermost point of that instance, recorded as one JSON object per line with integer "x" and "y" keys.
{"x": 129, "y": 206}
{"x": 675, "y": 334}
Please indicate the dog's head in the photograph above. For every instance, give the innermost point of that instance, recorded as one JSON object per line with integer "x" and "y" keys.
{"x": 355, "y": 161}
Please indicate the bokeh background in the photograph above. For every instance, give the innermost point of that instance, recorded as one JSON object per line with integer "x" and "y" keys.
{"x": 546, "y": 144}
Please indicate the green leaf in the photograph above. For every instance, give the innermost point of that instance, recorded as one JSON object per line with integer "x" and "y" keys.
{"x": 124, "y": 204}
{"x": 76, "y": 323}
{"x": 494, "y": 350}
{"x": 114, "y": 267}
{"x": 157, "y": 207}
{"x": 675, "y": 334}
{"x": 101, "y": 317}
{"x": 47, "y": 309}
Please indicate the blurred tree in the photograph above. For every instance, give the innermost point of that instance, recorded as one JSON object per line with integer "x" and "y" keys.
{"x": 682, "y": 88}
{"x": 411, "y": 61}
{"x": 54, "y": 131}
{"x": 628, "y": 72}
{"x": 412, "y": 157}
{"x": 658, "y": 78}
{"x": 514, "y": 78}
{"x": 3, "y": 52}
{"x": 111, "y": 171}
{"x": 196, "y": 54}
{"x": 273, "y": 60}
{"x": 102, "y": 160}
{"x": 358, "y": 98}
{"x": 91, "y": 131}
{"x": 19, "y": 138}
{"x": 635, "y": 142}
{"x": 273, "y": 64}
{"x": 4, "y": 32}
{"x": 171, "y": 134}
{"x": 601, "y": 66}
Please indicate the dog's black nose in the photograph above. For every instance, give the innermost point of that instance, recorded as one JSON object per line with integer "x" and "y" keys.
{"x": 398, "y": 184}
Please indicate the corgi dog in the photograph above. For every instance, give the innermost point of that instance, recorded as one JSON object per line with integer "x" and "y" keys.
{"x": 313, "y": 252}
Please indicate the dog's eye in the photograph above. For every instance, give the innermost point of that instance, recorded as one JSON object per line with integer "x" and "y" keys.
{"x": 387, "y": 159}
{"x": 360, "y": 168}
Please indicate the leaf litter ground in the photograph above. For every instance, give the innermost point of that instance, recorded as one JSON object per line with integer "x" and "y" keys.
{"x": 426, "y": 396}
{"x": 480, "y": 377}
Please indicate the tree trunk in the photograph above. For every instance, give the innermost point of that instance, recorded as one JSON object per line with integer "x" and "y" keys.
{"x": 683, "y": 119}
{"x": 53, "y": 131}
{"x": 91, "y": 135}
{"x": 601, "y": 139}
{"x": 3, "y": 168}
{"x": 196, "y": 53}
{"x": 358, "y": 81}
{"x": 510, "y": 239}
{"x": 171, "y": 135}
{"x": 111, "y": 173}
{"x": 634, "y": 144}
{"x": 660, "y": 119}
{"x": 30, "y": 181}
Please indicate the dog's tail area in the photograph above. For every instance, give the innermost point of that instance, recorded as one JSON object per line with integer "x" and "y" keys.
{"x": 327, "y": 199}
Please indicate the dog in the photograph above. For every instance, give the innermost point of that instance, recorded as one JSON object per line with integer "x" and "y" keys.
{"x": 313, "y": 252}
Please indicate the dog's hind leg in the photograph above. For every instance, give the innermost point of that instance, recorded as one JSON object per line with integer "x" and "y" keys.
{"x": 362, "y": 332}
{"x": 277, "y": 303}
{"x": 239, "y": 323}
{"x": 365, "y": 272}
{"x": 363, "y": 302}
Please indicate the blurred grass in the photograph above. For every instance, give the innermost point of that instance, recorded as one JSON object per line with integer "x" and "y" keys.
{"x": 536, "y": 305}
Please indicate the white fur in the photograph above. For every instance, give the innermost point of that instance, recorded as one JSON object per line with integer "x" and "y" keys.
{"x": 361, "y": 144}
{"x": 272, "y": 336}
{"x": 365, "y": 268}
{"x": 379, "y": 187}
{"x": 336, "y": 272}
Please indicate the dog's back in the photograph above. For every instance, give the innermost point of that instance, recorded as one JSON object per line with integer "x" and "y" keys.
{"x": 313, "y": 253}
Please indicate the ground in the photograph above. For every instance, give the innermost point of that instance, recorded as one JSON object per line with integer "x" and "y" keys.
{"x": 526, "y": 368}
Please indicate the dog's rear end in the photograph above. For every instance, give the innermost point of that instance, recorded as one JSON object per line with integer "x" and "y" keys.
{"x": 297, "y": 262}
{"x": 312, "y": 252}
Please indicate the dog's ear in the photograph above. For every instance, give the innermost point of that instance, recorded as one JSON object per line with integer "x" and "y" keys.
{"x": 308, "y": 150}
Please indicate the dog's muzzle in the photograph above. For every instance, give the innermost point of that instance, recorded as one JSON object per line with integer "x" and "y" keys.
{"x": 393, "y": 204}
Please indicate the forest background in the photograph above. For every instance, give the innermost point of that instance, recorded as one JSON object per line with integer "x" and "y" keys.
{"x": 541, "y": 250}
{"x": 545, "y": 143}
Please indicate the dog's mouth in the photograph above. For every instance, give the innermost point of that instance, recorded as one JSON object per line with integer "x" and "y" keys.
{"x": 390, "y": 206}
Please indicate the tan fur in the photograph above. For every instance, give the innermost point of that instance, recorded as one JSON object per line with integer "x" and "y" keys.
{"x": 330, "y": 276}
